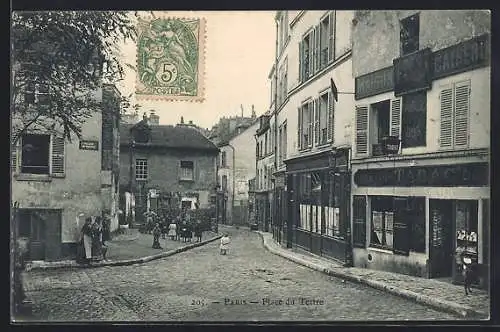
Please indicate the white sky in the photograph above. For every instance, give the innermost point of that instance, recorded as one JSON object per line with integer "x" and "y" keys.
{"x": 240, "y": 48}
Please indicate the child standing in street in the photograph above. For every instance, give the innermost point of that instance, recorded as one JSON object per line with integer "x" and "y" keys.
{"x": 224, "y": 244}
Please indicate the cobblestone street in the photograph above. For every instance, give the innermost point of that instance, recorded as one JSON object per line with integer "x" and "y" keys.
{"x": 186, "y": 286}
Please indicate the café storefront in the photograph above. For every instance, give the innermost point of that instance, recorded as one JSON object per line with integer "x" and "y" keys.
{"x": 418, "y": 219}
{"x": 318, "y": 213}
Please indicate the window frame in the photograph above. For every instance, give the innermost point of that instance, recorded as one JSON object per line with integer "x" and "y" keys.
{"x": 144, "y": 167}
{"x": 22, "y": 155}
{"x": 320, "y": 111}
{"x": 422, "y": 116}
{"x": 182, "y": 168}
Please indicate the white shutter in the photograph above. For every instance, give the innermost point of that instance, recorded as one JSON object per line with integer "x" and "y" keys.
{"x": 330, "y": 123}
{"x": 299, "y": 128}
{"x": 461, "y": 116}
{"x": 331, "y": 39}
{"x": 316, "y": 122}
{"x": 318, "y": 48}
{"x": 396, "y": 117}
{"x": 446, "y": 126}
{"x": 301, "y": 62}
{"x": 361, "y": 129}
{"x": 57, "y": 156}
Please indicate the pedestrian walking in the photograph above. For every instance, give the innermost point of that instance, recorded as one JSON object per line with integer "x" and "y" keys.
{"x": 172, "y": 230}
{"x": 156, "y": 236}
{"x": 86, "y": 240}
{"x": 97, "y": 238}
{"x": 106, "y": 227}
{"x": 198, "y": 231}
{"x": 225, "y": 241}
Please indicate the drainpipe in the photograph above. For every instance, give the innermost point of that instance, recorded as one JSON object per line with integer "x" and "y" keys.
{"x": 234, "y": 182}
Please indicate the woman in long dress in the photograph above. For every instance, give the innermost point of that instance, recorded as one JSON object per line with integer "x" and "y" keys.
{"x": 87, "y": 239}
{"x": 172, "y": 230}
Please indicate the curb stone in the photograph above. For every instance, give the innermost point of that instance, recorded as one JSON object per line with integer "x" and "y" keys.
{"x": 126, "y": 262}
{"x": 442, "y": 305}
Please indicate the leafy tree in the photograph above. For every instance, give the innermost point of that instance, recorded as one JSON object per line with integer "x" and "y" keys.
{"x": 59, "y": 60}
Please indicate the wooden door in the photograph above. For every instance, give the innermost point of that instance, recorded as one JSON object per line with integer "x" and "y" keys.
{"x": 37, "y": 236}
{"x": 52, "y": 234}
{"x": 441, "y": 245}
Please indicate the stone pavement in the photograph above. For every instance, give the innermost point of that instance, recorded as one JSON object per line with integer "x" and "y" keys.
{"x": 437, "y": 294}
{"x": 248, "y": 284}
{"x": 130, "y": 248}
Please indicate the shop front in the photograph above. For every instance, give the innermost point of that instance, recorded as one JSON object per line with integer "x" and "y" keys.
{"x": 421, "y": 220}
{"x": 318, "y": 204}
{"x": 279, "y": 208}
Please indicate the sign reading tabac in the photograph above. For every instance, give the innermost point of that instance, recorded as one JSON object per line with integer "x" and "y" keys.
{"x": 170, "y": 59}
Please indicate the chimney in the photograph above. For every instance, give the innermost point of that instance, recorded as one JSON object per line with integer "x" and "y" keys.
{"x": 253, "y": 113}
{"x": 190, "y": 122}
{"x": 153, "y": 118}
{"x": 144, "y": 116}
{"x": 182, "y": 120}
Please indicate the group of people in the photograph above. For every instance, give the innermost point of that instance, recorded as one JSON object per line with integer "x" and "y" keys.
{"x": 177, "y": 229}
{"x": 93, "y": 236}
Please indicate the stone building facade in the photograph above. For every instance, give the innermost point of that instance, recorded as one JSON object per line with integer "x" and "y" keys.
{"x": 58, "y": 183}
{"x": 420, "y": 189}
{"x": 161, "y": 165}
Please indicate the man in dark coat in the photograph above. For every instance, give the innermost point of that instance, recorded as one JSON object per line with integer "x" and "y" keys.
{"x": 156, "y": 237}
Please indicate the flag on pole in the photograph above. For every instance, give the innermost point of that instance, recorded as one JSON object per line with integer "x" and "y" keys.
{"x": 335, "y": 92}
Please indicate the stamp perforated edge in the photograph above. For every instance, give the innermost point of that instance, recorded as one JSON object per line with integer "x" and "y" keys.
{"x": 201, "y": 67}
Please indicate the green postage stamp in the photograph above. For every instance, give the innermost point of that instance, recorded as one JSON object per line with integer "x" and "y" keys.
{"x": 170, "y": 59}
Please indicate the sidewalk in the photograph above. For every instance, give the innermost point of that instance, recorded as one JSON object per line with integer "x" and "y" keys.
{"x": 437, "y": 294}
{"x": 132, "y": 248}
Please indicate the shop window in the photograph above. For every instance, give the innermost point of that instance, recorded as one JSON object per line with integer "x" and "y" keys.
{"x": 409, "y": 34}
{"x": 382, "y": 221}
{"x": 359, "y": 221}
{"x": 466, "y": 225}
{"x": 414, "y": 120}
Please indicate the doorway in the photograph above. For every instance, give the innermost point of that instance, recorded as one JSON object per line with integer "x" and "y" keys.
{"x": 441, "y": 255}
{"x": 42, "y": 229}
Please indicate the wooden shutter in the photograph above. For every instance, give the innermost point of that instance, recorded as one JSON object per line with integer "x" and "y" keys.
{"x": 15, "y": 156}
{"x": 310, "y": 106}
{"x": 330, "y": 117}
{"x": 299, "y": 128}
{"x": 317, "y": 38}
{"x": 401, "y": 228}
{"x": 446, "y": 126}
{"x": 396, "y": 117}
{"x": 361, "y": 129}
{"x": 57, "y": 156}
{"x": 331, "y": 35}
{"x": 316, "y": 121}
{"x": 461, "y": 116}
{"x": 359, "y": 221}
{"x": 301, "y": 62}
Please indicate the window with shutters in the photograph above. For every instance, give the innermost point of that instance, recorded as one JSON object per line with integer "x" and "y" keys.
{"x": 359, "y": 221}
{"x": 409, "y": 34}
{"x": 141, "y": 169}
{"x": 36, "y": 93}
{"x": 306, "y": 118}
{"x": 380, "y": 114}
{"x": 455, "y": 106}
{"x": 187, "y": 170}
{"x": 284, "y": 144}
{"x": 324, "y": 32}
{"x": 323, "y": 116}
{"x": 35, "y": 154}
{"x": 414, "y": 120}
{"x": 306, "y": 56}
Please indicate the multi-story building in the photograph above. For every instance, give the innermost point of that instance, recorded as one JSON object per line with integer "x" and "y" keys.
{"x": 57, "y": 183}
{"x": 420, "y": 164}
{"x": 236, "y": 168}
{"x": 227, "y": 127}
{"x": 264, "y": 152}
{"x": 312, "y": 127}
{"x": 165, "y": 165}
